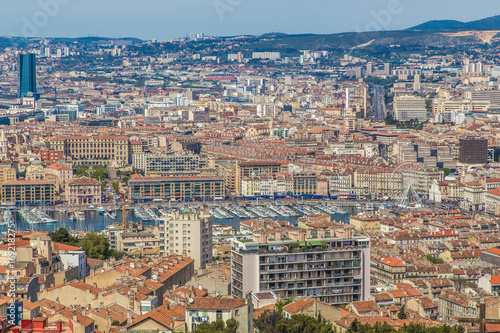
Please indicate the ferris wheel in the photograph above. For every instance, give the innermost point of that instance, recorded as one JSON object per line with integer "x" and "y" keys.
{"x": 409, "y": 185}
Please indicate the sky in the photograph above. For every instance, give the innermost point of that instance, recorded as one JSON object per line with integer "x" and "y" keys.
{"x": 165, "y": 19}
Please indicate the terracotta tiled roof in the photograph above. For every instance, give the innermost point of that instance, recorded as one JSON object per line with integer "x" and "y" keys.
{"x": 216, "y": 303}
{"x": 64, "y": 247}
{"x": 393, "y": 262}
{"x": 364, "y": 306}
{"x": 299, "y": 305}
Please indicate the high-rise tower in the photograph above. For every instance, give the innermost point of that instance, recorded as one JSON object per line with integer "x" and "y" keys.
{"x": 26, "y": 66}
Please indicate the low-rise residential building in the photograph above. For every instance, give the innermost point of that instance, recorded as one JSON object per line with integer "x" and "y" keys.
{"x": 473, "y": 198}
{"x": 211, "y": 309}
{"x": 492, "y": 201}
{"x": 7, "y": 174}
{"x": 370, "y": 224}
{"x": 490, "y": 283}
{"x": 424, "y": 306}
{"x": 389, "y": 270}
{"x": 453, "y": 305}
{"x": 138, "y": 243}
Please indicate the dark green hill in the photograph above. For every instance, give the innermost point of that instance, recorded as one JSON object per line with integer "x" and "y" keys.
{"x": 489, "y": 23}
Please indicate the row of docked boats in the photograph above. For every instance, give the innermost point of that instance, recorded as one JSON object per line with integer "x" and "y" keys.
{"x": 35, "y": 215}
{"x": 272, "y": 210}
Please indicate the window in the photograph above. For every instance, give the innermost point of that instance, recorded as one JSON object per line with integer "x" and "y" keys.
{"x": 236, "y": 312}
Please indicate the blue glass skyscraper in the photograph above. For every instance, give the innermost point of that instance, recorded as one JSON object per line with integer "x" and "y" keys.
{"x": 27, "y": 75}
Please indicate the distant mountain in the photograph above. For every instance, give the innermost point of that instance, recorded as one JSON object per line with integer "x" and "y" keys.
{"x": 273, "y": 34}
{"x": 439, "y": 25}
{"x": 489, "y": 23}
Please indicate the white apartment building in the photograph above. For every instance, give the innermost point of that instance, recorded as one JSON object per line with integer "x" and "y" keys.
{"x": 266, "y": 55}
{"x": 74, "y": 259}
{"x": 268, "y": 110}
{"x": 335, "y": 269}
{"x": 189, "y": 233}
{"x": 407, "y": 107}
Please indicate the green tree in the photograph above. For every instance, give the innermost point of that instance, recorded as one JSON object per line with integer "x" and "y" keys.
{"x": 282, "y": 303}
{"x": 402, "y": 313}
{"x": 63, "y": 236}
{"x": 230, "y": 326}
{"x": 267, "y": 321}
{"x": 434, "y": 260}
{"x": 118, "y": 255}
{"x": 304, "y": 324}
{"x": 115, "y": 323}
{"x": 389, "y": 120}
{"x": 446, "y": 171}
{"x": 116, "y": 186}
{"x": 82, "y": 170}
{"x": 96, "y": 246}
{"x": 293, "y": 246}
{"x": 99, "y": 172}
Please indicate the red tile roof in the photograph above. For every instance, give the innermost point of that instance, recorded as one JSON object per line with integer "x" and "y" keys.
{"x": 393, "y": 262}
{"x": 64, "y": 247}
{"x": 216, "y": 303}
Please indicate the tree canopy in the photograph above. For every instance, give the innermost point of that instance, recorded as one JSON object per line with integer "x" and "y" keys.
{"x": 357, "y": 327}
{"x": 273, "y": 322}
{"x": 96, "y": 246}
{"x": 230, "y": 326}
{"x": 63, "y": 236}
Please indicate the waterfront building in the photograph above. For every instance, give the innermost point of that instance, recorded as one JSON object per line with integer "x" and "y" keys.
{"x": 176, "y": 188}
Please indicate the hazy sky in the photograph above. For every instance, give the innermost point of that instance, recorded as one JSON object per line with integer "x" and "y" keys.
{"x": 163, "y": 19}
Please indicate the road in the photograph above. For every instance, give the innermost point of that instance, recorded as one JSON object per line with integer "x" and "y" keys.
{"x": 379, "y": 111}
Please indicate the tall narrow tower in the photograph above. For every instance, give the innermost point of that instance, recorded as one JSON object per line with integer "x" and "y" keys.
{"x": 4, "y": 149}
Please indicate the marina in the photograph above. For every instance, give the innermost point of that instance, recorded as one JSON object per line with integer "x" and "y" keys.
{"x": 97, "y": 219}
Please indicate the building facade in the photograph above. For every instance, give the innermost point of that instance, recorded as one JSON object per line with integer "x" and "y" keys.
{"x": 189, "y": 233}
{"x": 252, "y": 169}
{"x": 176, "y": 188}
{"x": 26, "y": 67}
{"x": 83, "y": 191}
{"x": 93, "y": 150}
{"x": 473, "y": 150}
{"x": 165, "y": 163}
{"x": 28, "y": 192}
{"x": 336, "y": 270}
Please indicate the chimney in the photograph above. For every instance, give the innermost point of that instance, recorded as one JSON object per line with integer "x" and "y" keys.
{"x": 75, "y": 318}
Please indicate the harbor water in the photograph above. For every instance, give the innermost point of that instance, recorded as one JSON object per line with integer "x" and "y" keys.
{"x": 93, "y": 221}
